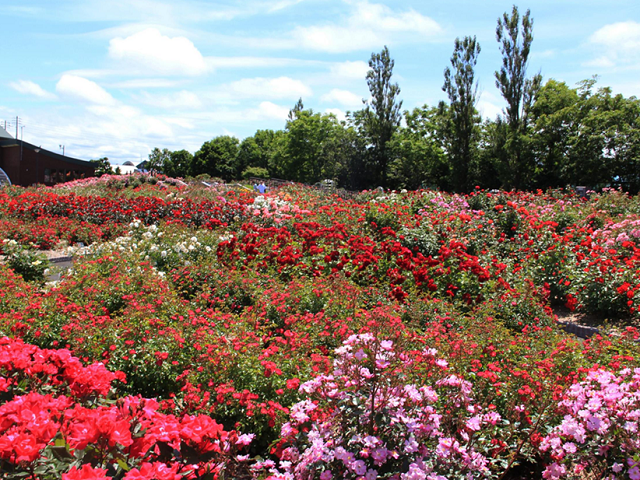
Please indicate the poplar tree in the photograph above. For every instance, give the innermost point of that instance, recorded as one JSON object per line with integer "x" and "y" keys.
{"x": 382, "y": 113}
{"x": 515, "y": 38}
{"x": 462, "y": 89}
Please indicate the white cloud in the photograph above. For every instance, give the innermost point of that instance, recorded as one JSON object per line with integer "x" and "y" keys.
{"x": 268, "y": 110}
{"x": 79, "y": 88}
{"x": 145, "y": 83}
{"x": 155, "y": 128}
{"x": 31, "y": 88}
{"x": 177, "y": 100}
{"x": 370, "y": 25}
{"x": 549, "y": 53}
{"x": 350, "y": 70}
{"x": 337, "y": 39}
{"x": 281, "y": 87}
{"x": 151, "y": 52}
{"x": 340, "y": 115}
{"x": 617, "y": 43}
{"x": 282, "y": 4}
{"x": 175, "y": 12}
{"x": 489, "y": 105}
{"x": 343, "y": 97}
{"x": 255, "y": 62}
{"x": 114, "y": 111}
{"x": 600, "y": 62}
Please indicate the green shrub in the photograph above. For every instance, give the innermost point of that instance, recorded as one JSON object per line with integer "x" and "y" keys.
{"x": 30, "y": 264}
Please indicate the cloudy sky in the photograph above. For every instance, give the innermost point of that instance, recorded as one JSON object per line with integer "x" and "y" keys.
{"x": 117, "y": 78}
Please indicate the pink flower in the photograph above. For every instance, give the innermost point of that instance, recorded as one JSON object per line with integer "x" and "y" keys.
{"x": 473, "y": 423}
{"x": 359, "y": 467}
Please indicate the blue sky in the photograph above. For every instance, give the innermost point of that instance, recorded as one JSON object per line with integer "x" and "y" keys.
{"x": 117, "y": 78}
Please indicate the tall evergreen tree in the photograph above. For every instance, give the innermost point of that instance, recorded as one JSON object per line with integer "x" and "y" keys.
{"x": 515, "y": 40}
{"x": 462, "y": 89}
{"x": 382, "y": 115}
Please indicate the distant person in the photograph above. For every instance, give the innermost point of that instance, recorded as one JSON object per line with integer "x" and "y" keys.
{"x": 262, "y": 188}
{"x": 255, "y": 187}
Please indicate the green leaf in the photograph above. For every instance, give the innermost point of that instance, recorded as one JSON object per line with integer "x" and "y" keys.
{"x": 123, "y": 465}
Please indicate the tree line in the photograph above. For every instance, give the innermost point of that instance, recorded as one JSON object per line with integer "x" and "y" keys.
{"x": 549, "y": 134}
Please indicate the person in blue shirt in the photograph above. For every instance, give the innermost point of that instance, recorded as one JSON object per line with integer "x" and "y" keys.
{"x": 262, "y": 188}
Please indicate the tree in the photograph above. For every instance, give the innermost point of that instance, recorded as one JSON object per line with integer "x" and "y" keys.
{"x": 555, "y": 122}
{"x": 462, "y": 90}
{"x": 258, "y": 151}
{"x": 515, "y": 40}
{"x": 381, "y": 117}
{"x": 178, "y": 164}
{"x": 488, "y": 170}
{"x": 314, "y": 148}
{"x": 297, "y": 108}
{"x": 102, "y": 167}
{"x": 418, "y": 158}
{"x": 157, "y": 159}
{"x": 605, "y": 149}
{"x": 218, "y": 158}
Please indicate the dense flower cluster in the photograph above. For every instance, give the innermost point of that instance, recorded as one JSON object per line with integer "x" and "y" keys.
{"x": 600, "y": 428}
{"x": 98, "y": 210}
{"x": 131, "y": 436}
{"x": 306, "y": 319}
{"x": 363, "y": 421}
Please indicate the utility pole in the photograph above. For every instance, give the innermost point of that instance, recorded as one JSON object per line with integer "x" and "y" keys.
{"x": 17, "y": 120}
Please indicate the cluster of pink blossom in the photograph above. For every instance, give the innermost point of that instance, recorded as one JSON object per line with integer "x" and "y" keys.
{"x": 364, "y": 421}
{"x": 627, "y": 230}
{"x": 600, "y": 428}
{"x": 277, "y": 209}
{"x": 452, "y": 204}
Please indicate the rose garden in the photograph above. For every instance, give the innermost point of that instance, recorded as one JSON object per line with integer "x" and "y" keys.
{"x": 220, "y": 333}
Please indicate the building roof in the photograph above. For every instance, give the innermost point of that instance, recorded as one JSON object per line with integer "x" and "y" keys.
{"x": 11, "y": 142}
{"x": 129, "y": 163}
{"x": 4, "y": 133}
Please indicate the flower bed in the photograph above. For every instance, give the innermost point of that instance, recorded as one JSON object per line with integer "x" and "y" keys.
{"x": 388, "y": 336}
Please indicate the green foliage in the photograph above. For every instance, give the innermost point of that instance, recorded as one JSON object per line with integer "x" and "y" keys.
{"x": 255, "y": 172}
{"x": 519, "y": 92}
{"x": 178, "y": 164}
{"x": 423, "y": 239}
{"x": 217, "y": 158}
{"x": 102, "y": 166}
{"x": 259, "y": 150}
{"x": 417, "y": 150}
{"x": 30, "y": 264}
{"x": 316, "y": 147}
{"x": 381, "y": 117}
{"x": 462, "y": 90}
{"x": 550, "y": 136}
{"x": 157, "y": 159}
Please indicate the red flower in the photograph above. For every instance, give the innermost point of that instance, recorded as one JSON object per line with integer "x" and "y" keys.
{"x": 293, "y": 383}
{"x": 154, "y": 471}
{"x": 85, "y": 473}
